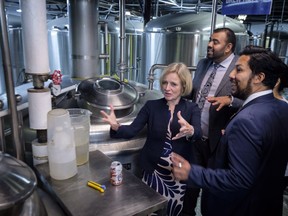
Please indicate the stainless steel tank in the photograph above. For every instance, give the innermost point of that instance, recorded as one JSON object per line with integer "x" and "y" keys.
{"x": 182, "y": 37}
{"x": 17, "y": 55}
{"x": 59, "y": 49}
{"x": 58, "y": 40}
{"x": 17, "y": 59}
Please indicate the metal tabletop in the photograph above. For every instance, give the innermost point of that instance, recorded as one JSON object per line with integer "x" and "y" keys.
{"x": 132, "y": 197}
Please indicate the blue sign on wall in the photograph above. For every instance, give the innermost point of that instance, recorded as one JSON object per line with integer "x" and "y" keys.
{"x": 246, "y": 7}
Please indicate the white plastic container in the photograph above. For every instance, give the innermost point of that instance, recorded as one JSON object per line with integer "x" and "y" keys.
{"x": 61, "y": 145}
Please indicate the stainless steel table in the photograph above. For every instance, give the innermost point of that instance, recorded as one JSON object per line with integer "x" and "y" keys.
{"x": 132, "y": 197}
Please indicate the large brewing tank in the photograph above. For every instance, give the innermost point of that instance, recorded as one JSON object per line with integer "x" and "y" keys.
{"x": 58, "y": 40}
{"x": 59, "y": 49}
{"x": 17, "y": 59}
{"x": 183, "y": 37}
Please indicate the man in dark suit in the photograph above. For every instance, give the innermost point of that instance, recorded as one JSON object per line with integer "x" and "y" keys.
{"x": 245, "y": 175}
{"x": 217, "y": 106}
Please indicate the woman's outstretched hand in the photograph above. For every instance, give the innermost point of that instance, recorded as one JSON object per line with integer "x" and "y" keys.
{"x": 110, "y": 118}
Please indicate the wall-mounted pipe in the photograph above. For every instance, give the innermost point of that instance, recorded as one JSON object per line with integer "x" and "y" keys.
{"x": 147, "y": 11}
{"x": 122, "y": 63}
{"x": 271, "y": 34}
{"x": 151, "y": 74}
{"x": 213, "y": 15}
{"x": 7, "y": 66}
{"x": 265, "y": 33}
{"x": 105, "y": 56}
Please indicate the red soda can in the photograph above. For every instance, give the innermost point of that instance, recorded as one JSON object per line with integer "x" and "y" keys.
{"x": 116, "y": 176}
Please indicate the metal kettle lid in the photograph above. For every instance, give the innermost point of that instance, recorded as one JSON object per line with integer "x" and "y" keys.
{"x": 17, "y": 181}
{"x": 106, "y": 91}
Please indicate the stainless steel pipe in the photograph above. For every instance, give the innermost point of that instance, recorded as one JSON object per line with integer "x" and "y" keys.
{"x": 122, "y": 63}
{"x": 214, "y": 15}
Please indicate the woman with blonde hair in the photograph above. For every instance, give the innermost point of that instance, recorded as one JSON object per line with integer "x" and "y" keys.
{"x": 173, "y": 123}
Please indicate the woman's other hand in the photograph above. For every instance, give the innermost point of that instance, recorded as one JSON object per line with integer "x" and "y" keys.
{"x": 186, "y": 130}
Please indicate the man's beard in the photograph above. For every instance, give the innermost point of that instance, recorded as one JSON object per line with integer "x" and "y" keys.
{"x": 215, "y": 55}
{"x": 243, "y": 94}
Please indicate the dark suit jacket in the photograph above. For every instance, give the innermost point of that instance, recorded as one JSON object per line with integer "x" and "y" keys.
{"x": 155, "y": 115}
{"x": 217, "y": 119}
{"x": 248, "y": 168}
